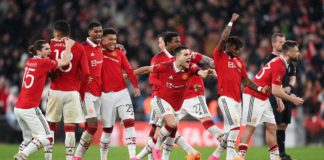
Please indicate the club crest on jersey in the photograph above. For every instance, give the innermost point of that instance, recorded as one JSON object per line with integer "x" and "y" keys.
{"x": 92, "y": 54}
{"x": 185, "y": 76}
{"x": 113, "y": 53}
{"x": 170, "y": 77}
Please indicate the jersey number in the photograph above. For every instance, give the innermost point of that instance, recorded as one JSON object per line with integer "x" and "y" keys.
{"x": 64, "y": 68}
{"x": 264, "y": 68}
{"x": 28, "y": 74}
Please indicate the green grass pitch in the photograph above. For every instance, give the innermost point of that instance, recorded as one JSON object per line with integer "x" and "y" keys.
{"x": 121, "y": 153}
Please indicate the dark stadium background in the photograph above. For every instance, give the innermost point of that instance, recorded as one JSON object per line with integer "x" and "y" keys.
{"x": 199, "y": 23}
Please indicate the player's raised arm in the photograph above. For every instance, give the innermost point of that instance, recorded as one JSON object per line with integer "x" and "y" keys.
{"x": 67, "y": 54}
{"x": 226, "y": 33}
{"x": 207, "y": 61}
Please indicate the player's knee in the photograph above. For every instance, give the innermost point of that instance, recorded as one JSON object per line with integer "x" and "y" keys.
{"x": 52, "y": 126}
{"x": 208, "y": 123}
{"x": 152, "y": 132}
{"x": 282, "y": 126}
{"x": 108, "y": 130}
{"x": 153, "y": 126}
{"x": 271, "y": 129}
{"x": 91, "y": 129}
{"x": 129, "y": 123}
{"x": 92, "y": 121}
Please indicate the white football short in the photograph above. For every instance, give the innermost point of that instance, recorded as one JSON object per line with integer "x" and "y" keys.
{"x": 154, "y": 116}
{"x": 92, "y": 106}
{"x": 231, "y": 111}
{"x": 256, "y": 111}
{"x": 113, "y": 102}
{"x": 32, "y": 123}
{"x": 66, "y": 103}
{"x": 196, "y": 107}
{"x": 162, "y": 107}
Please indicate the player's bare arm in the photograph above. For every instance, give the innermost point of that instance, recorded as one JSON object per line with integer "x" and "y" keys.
{"x": 226, "y": 33}
{"x": 281, "y": 105}
{"x": 207, "y": 61}
{"x": 278, "y": 92}
{"x": 66, "y": 57}
{"x": 247, "y": 82}
{"x": 143, "y": 70}
{"x": 206, "y": 73}
{"x": 121, "y": 47}
{"x": 292, "y": 82}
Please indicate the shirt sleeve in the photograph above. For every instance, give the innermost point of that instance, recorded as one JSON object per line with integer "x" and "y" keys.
{"x": 161, "y": 67}
{"x": 194, "y": 69}
{"x": 196, "y": 57}
{"x": 84, "y": 66}
{"x": 216, "y": 54}
{"x": 244, "y": 73}
{"x": 292, "y": 70}
{"x": 50, "y": 64}
{"x": 153, "y": 77}
{"x": 128, "y": 69}
{"x": 278, "y": 74}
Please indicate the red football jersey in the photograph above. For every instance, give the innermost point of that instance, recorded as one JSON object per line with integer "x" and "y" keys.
{"x": 95, "y": 60}
{"x": 173, "y": 82}
{"x": 114, "y": 63}
{"x": 68, "y": 77}
{"x": 162, "y": 56}
{"x": 195, "y": 80}
{"x": 230, "y": 72}
{"x": 35, "y": 74}
{"x": 272, "y": 73}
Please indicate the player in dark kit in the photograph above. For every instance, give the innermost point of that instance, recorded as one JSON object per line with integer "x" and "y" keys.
{"x": 282, "y": 118}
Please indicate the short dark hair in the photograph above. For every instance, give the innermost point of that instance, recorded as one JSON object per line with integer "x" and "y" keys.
{"x": 178, "y": 50}
{"x": 37, "y": 46}
{"x": 93, "y": 25}
{"x": 169, "y": 36}
{"x": 108, "y": 31}
{"x": 274, "y": 36}
{"x": 235, "y": 41}
{"x": 163, "y": 34}
{"x": 289, "y": 44}
{"x": 63, "y": 27}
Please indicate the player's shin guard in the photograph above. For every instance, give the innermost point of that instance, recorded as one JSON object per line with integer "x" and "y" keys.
{"x": 168, "y": 145}
{"x": 48, "y": 149}
{"x": 222, "y": 146}
{"x": 85, "y": 140}
{"x": 179, "y": 140}
{"x": 281, "y": 138}
{"x": 164, "y": 132}
{"x": 231, "y": 142}
{"x": 35, "y": 145}
{"x": 243, "y": 149}
{"x": 274, "y": 153}
{"x": 210, "y": 126}
{"x": 130, "y": 136}
{"x": 23, "y": 145}
{"x": 147, "y": 149}
{"x": 69, "y": 141}
{"x": 104, "y": 142}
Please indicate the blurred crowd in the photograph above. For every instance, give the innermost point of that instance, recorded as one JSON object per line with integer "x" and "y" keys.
{"x": 199, "y": 24}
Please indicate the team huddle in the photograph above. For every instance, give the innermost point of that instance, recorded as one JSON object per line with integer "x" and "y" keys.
{"x": 88, "y": 85}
